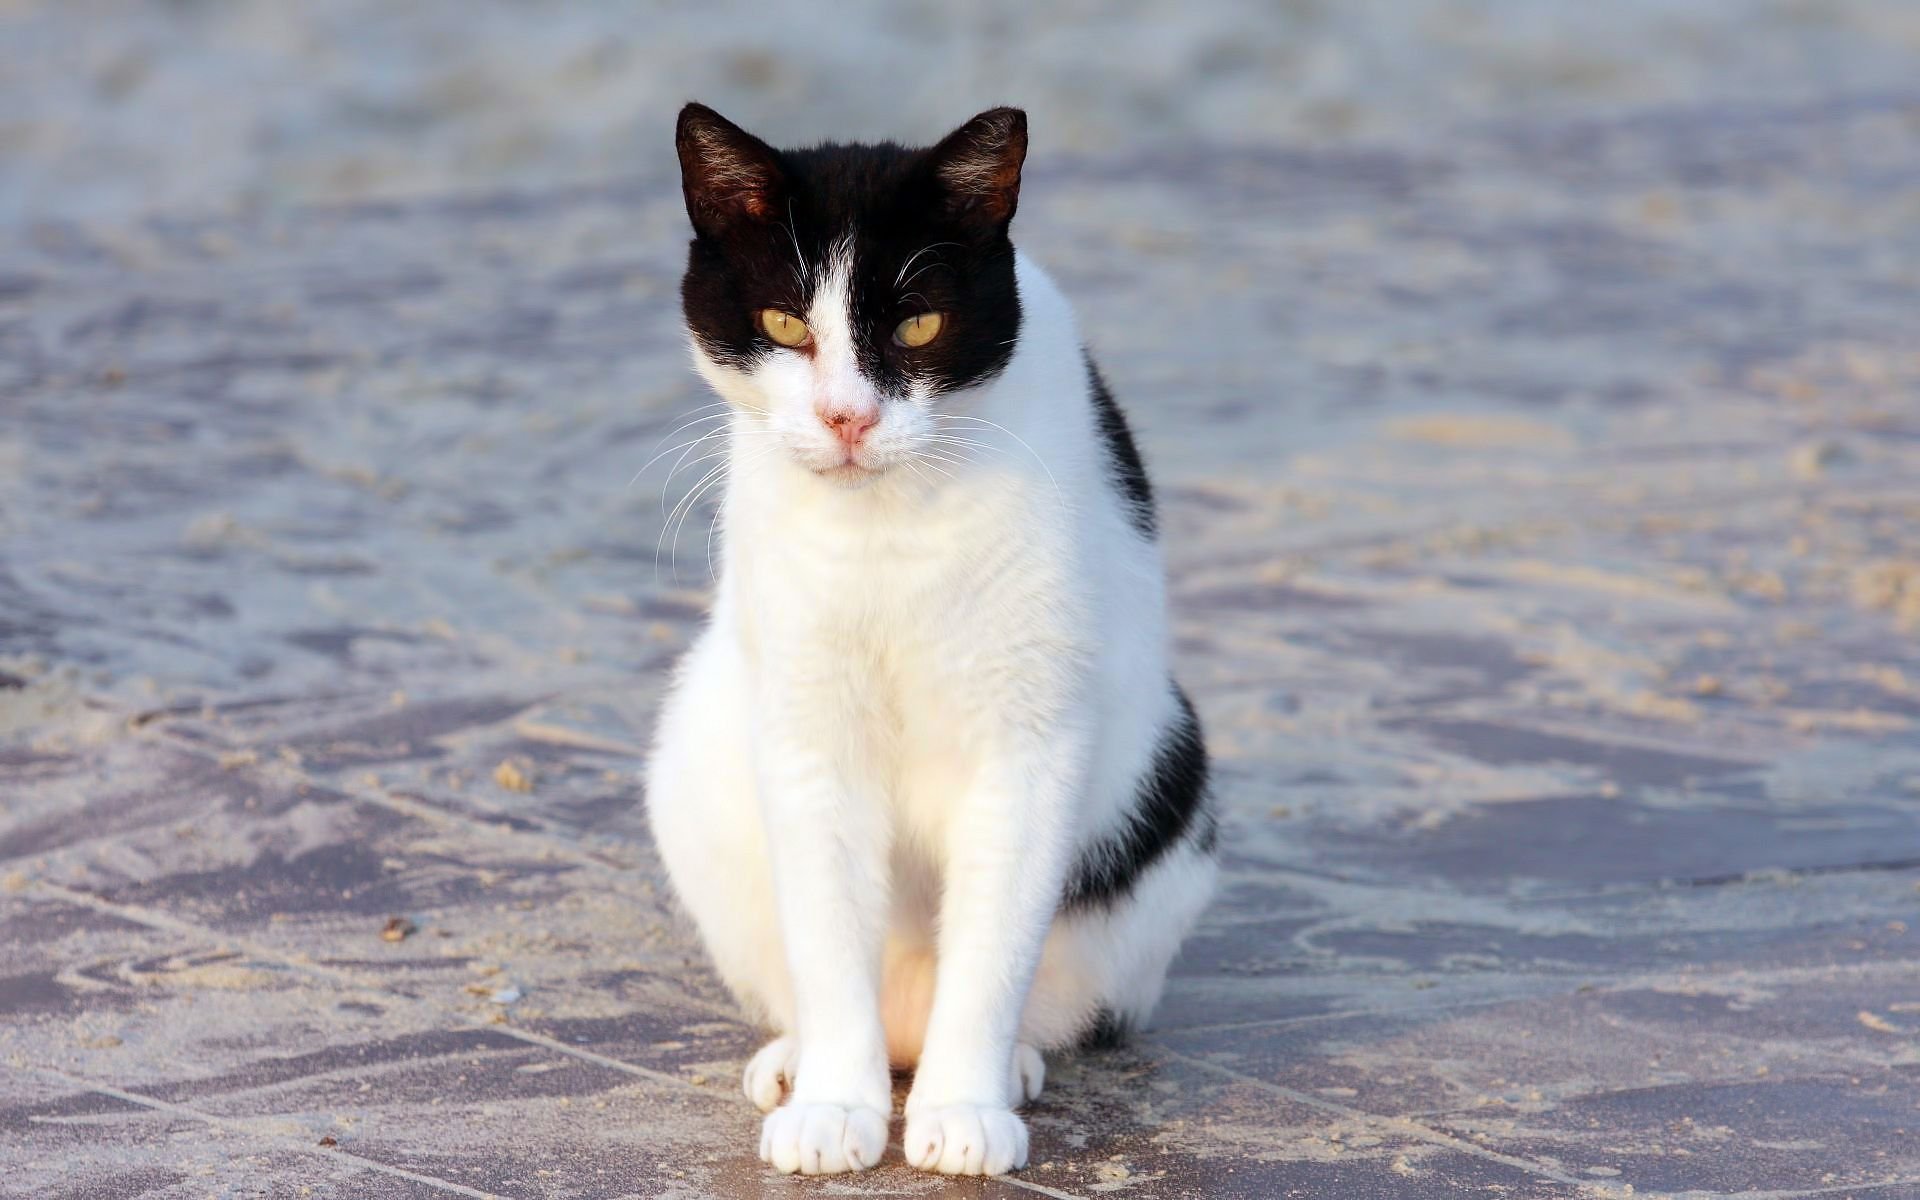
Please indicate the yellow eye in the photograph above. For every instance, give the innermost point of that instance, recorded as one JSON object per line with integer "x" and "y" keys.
{"x": 784, "y": 328}
{"x": 915, "y": 332}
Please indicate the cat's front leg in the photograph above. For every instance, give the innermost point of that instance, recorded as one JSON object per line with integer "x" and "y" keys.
{"x": 1005, "y": 863}
{"x": 828, "y": 839}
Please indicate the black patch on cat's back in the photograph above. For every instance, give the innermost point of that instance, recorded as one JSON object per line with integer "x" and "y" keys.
{"x": 1170, "y": 804}
{"x": 1123, "y": 457}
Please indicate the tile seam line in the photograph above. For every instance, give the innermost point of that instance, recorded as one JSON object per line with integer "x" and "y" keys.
{"x": 1841, "y": 972}
{"x": 1401, "y": 1125}
{"x": 1709, "y": 1083}
{"x": 1158, "y": 1030}
{"x": 187, "y": 928}
{"x": 1851, "y": 1189}
{"x": 155, "y": 919}
{"x": 420, "y": 809}
{"x": 1037, "y": 1188}
{"x": 244, "y": 1127}
{"x": 605, "y": 1060}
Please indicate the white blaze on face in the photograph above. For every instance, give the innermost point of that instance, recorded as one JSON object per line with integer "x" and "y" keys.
{"x": 801, "y": 396}
{"x": 839, "y": 390}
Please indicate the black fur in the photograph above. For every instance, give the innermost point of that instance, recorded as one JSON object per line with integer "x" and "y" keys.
{"x": 1170, "y": 806}
{"x": 1123, "y": 457}
{"x": 765, "y": 221}
{"x": 1107, "y": 1031}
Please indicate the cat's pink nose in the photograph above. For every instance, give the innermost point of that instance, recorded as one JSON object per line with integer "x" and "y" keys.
{"x": 850, "y": 424}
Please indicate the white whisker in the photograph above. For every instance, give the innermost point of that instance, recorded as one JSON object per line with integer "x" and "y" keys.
{"x": 679, "y": 462}
{"x": 909, "y": 465}
{"x": 929, "y": 462}
{"x": 800, "y": 260}
{"x": 897, "y": 279}
{"x": 718, "y": 471}
{"x": 1058, "y": 494}
{"x": 687, "y": 424}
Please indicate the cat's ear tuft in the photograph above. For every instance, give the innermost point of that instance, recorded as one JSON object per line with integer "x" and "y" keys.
{"x": 978, "y": 167}
{"x": 727, "y": 174}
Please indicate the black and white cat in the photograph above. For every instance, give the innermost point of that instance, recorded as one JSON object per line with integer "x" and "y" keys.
{"x": 925, "y": 781}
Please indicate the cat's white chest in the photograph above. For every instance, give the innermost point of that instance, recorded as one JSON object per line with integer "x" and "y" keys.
{"x": 933, "y": 620}
{"x": 931, "y": 571}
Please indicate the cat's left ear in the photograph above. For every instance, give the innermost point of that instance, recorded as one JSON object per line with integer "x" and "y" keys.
{"x": 727, "y": 174}
{"x": 977, "y": 167}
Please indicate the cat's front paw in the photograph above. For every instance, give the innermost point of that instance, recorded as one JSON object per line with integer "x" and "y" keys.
{"x": 823, "y": 1139}
{"x": 966, "y": 1139}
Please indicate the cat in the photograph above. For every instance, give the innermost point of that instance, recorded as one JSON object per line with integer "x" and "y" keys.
{"x": 925, "y": 781}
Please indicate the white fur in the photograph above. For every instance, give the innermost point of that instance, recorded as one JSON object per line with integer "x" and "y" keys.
{"x": 929, "y": 679}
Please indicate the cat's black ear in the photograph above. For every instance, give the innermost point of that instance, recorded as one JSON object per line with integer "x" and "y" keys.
{"x": 977, "y": 167}
{"x": 727, "y": 174}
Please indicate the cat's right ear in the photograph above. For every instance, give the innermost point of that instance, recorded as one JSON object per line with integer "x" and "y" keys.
{"x": 978, "y": 168}
{"x": 728, "y": 175}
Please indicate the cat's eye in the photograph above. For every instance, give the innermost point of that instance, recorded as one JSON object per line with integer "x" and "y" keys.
{"x": 917, "y": 331}
{"x": 784, "y": 328}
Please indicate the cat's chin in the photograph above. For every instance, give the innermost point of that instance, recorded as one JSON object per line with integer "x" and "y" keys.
{"x": 847, "y": 475}
{"x": 850, "y": 475}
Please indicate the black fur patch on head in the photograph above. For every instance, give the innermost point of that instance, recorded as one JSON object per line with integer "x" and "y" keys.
{"x": 1123, "y": 457}
{"x": 925, "y": 231}
{"x": 1171, "y": 804}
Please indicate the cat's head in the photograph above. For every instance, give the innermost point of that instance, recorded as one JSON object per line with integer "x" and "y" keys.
{"x": 841, "y": 293}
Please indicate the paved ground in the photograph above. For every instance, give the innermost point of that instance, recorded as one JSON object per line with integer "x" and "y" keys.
{"x": 1543, "y": 505}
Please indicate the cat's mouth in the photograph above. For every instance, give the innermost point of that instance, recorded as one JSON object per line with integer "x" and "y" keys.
{"x": 837, "y": 462}
{"x": 843, "y": 464}
{"x": 849, "y": 471}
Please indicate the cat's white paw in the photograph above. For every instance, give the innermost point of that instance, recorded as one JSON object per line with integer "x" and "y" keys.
{"x": 966, "y": 1139}
{"x": 1028, "y": 1076}
{"x": 769, "y": 1073}
{"x": 823, "y": 1139}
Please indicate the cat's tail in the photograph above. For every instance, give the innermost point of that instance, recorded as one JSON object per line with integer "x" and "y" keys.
{"x": 906, "y": 1000}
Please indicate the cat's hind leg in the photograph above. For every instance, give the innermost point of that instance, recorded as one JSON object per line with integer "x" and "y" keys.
{"x": 769, "y": 1074}
{"x": 1104, "y": 965}
{"x": 910, "y": 966}
{"x": 1027, "y": 1076}
{"x": 906, "y": 998}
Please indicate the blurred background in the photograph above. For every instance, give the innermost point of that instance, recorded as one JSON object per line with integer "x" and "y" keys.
{"x": 202, "y": 105}
{"x": 1530, "y": 388}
